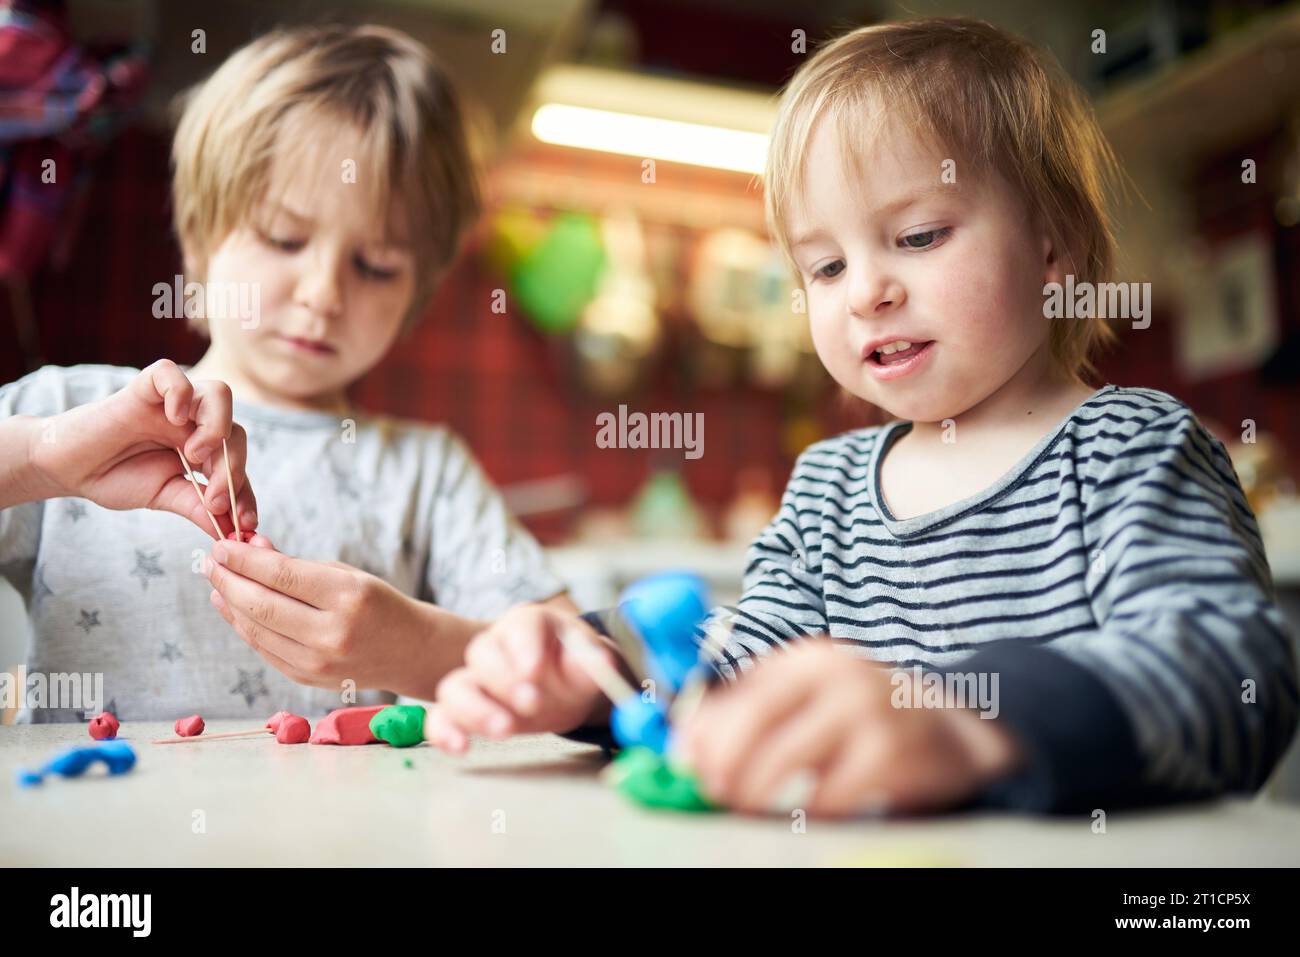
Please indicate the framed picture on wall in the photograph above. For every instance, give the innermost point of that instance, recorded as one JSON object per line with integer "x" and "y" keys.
{"x": 1230, "y": 321}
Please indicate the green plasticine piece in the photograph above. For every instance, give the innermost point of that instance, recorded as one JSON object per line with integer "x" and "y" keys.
{"x": 408, "y": 763}
{"x": 648, "y": 779}
{"x": 401, "y": 725}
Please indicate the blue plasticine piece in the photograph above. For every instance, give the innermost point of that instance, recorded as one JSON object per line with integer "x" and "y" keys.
{"x": 117, "y": 756}
{"x": 638, "y": 722}
{"x": 665, "y": 610}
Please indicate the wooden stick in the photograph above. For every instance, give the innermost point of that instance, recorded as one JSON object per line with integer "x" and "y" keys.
{"x": 189, "y": 474}
{"x": 214, "y": 737}
{"x": 230, "y": 489}
{"x": 614, "y": 686}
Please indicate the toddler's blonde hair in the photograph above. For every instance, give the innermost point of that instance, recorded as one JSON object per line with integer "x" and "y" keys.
{"x": 981, "y": 95}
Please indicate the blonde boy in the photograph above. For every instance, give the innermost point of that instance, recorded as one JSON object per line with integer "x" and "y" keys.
{"x": 323, "y": 176}
{"x": 1078, "y": 562}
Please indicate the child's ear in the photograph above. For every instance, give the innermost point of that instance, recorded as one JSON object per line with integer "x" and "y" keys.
{"x": 1054, "y": 261}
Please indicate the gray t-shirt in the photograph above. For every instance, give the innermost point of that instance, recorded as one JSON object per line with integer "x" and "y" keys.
{"x": 122, "y": 593}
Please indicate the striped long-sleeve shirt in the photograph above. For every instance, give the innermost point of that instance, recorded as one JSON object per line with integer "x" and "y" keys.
{"x": 1114, "y": 580}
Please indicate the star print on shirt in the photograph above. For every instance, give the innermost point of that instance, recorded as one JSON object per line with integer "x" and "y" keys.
{"x": 88, "y": 620}
{"x": 171, "y": 651}
{"x": 344, "y": 478}
{"x": 146, "y": 567}
{"x": 76, "y": 509}
{"x": 260, "y": 439}
{"x": 251, "y": 685}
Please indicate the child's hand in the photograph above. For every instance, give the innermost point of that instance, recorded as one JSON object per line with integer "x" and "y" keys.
{"x": 323, "y": 623}
{"x": 519, "y": 678}
{"x": 120, "y": 452}
{"x": 814, "y": 709}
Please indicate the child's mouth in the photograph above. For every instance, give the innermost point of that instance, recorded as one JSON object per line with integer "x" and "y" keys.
{"x": 898, "y": 361}
{"x": 311, "y": 346}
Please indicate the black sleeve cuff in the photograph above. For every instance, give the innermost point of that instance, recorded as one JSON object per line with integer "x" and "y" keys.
{"x": 1080, "y": 750}
{"x": 596, "y": 621}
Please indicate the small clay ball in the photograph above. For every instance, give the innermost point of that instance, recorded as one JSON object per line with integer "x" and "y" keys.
{"x": 103, "y": 727}
{"x": 293, "y": 729}
{"x": 189, "y": 727}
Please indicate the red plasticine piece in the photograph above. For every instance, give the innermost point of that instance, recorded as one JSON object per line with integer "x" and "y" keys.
{"x": 273, "y": 722}
{"x": 293, "y": 729}
{"x": 347, "y": 726}
{"x": 234, "y": 537}
{"x": 103, "y": 727}
{"x": 189, "y": 727}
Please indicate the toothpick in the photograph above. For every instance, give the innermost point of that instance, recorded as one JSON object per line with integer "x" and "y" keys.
{"x": 214, "y": 737}
{"x": 195, "y": 482}
{"x": 612, "y": 684}
{"x": 230, "y": 489}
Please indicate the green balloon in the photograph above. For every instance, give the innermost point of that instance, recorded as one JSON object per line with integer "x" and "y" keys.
{"x": 556, "y": 279}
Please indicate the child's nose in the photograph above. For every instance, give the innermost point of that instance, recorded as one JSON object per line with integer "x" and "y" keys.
{"x": 872, "y": 292}
{"x": 320, "y": 287}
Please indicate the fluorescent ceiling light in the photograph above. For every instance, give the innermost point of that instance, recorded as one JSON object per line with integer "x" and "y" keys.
{"x": 650, "y": 137}
{"x": 632, "y": 114}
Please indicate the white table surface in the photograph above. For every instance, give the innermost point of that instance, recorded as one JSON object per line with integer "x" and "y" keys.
{"x": 533, "y": 800}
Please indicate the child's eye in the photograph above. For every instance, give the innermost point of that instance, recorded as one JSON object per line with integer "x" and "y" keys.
{"x": 373, "y": 272}
{"x": 926, "y": 239}
{"x": 830, "y": 270}
{"x": 284, "y": 245}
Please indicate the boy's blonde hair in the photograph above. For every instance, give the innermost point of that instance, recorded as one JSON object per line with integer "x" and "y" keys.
{"x": 978, "y": 93}
{"x": 382, "y": 82}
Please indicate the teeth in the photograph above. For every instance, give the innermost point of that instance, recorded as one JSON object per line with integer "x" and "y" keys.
{"x": 892, "y": 347}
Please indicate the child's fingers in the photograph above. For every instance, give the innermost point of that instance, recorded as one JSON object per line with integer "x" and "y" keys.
{"x": 210, "y": 408}
{"x": 270, "y": 609}
{"x": 441, "y": 732}
{"x": 273, "y": 659}
{"x": 177, "y": 495}
{"x": 318, "y": 584}
{"x": 225, "y": 470}
{"x": 558, "y": 694}
{"x": 729, "y": 725}
{"x": 853, "y": 780}
{"x": 286, "y": 655}
{"x": 493, "y": 658}
{"x": 807, "y": 739}
{"x": 472, "y": 708}
{"x": 532, "y": 642}
{"x": 164, "y": 382}
{"x": 246, "y": 499}
{"x": 246, "y": 503}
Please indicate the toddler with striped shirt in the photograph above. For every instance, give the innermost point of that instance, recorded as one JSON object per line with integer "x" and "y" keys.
{"x": 1026, "y": 591}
